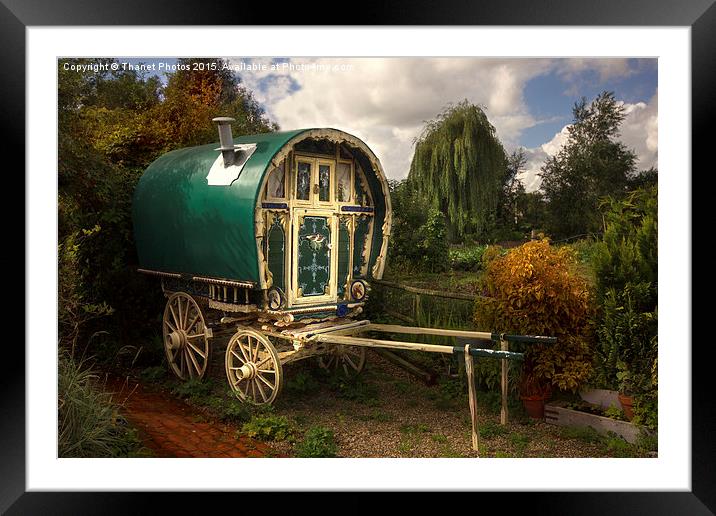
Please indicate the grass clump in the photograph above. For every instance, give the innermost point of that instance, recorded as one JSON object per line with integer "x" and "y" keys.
{"x": 88, "y": 419}
{"x": 520, "y": 442}
{"x": 586, "y": 434}
{"x": 354, "y": 389}
{"x": 491, "y": 430}
{"x": 618, "y": 447}
{"x": 318, "y": 441}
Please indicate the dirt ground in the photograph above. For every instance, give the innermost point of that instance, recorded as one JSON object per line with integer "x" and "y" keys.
{"x": 388, "y": 414}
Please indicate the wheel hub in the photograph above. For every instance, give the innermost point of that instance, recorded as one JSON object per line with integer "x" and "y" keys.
{"x": 246, "y": 371}
{"x": 177, "y": 339}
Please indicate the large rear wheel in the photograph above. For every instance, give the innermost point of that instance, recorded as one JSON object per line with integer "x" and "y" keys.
{"x": 186, "y": 338}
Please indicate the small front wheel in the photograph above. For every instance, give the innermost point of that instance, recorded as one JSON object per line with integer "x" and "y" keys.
{"x": 253, "y": 367}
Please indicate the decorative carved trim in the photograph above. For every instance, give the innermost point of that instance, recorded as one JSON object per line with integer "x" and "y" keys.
{"x": 160, "y": 273}
{"x": 358, "y": 209}
{"x": 224, "y": 282}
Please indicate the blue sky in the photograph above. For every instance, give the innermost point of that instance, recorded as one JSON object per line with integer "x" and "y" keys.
{"x": 552, "y": 96}
{"x": 385, "y": 101}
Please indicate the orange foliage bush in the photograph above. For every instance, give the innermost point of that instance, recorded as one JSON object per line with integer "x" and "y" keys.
{"x": 533, "y": 290}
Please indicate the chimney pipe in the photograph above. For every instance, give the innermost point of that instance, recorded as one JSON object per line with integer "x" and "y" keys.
{"x": 227, "y": 142}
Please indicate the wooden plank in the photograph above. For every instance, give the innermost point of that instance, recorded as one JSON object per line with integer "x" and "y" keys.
{"x": 470, "y": 372}
{"x": 417, "y": 330}
{"x": 375, "y": 343}
{"x": 504, "y": 346}
{"x": 357, "y": 325}
{"x": 428, "y": 378}
{"x": 562, "y": 416}
{"x": 425, "y": 291}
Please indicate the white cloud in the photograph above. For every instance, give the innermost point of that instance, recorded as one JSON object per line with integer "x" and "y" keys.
{"x": 640, "y": 131}
{"x": 606, "y": 68}
{"x": 385, "y": 101}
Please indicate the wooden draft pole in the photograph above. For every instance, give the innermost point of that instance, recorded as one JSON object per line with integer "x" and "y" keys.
{"x": 470, "y": 373}
{"x": 504, "y": 346}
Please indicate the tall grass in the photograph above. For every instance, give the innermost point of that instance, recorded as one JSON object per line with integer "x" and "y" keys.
{"x": 88, "y": 419}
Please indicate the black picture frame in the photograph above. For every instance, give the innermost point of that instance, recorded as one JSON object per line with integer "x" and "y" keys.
{"x": 700, "y": 15}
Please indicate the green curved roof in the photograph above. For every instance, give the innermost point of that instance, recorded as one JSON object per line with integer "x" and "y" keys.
{"x": 183, "y": 225}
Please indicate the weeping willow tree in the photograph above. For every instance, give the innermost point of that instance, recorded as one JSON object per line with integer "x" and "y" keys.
{"x": 460, "y": 164}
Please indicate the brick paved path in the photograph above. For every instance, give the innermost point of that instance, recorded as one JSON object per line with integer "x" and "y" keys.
{"x": 171, "y": 428}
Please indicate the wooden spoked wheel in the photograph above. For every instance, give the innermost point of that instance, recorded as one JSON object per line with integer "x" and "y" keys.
{"x": 186, "y": 341}
{"x": 253, "y": 367}
{"x": 347, "y": 359}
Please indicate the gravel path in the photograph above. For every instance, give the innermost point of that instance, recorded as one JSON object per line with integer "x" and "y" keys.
{"x": 403, "y": 418}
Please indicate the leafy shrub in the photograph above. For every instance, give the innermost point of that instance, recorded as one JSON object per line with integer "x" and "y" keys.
{"x": 228, "y": 409}
{"x": 627, "y": 340}
{"x": 74, "y": 308}
{"x": 193, "y": 389}
{"x": 491, "y": 253}
{"x": 268, "y": 427}
{"x": 533, "y": 290}
{"x": 626, "y": 268}
{"x": 614, "y": 413}
{"x": 88, "y": 420}
{"x": 466, "y": 258}
{"x": 318, "y": 442}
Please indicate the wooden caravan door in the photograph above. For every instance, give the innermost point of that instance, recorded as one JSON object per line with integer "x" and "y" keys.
{"x": 314, "y": 259}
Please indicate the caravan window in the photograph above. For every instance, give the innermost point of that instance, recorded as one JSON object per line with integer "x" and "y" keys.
{"x": 276, "y": 184}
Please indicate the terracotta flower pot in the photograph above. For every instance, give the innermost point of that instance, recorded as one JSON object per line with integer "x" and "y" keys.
{"x": 627, "y": 402}
{"x": 534, "y": 405}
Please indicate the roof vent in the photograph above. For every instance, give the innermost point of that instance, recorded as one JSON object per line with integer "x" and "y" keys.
{"x": 227, "y": 141}
{"x": 227, "y": 167}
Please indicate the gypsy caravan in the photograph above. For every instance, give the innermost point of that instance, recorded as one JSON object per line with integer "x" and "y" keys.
{"x": 277, "y": 229}
{"x": 274, "y": 240}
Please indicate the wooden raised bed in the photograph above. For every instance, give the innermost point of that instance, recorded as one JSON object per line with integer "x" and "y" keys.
{"x": 556, "y": 414}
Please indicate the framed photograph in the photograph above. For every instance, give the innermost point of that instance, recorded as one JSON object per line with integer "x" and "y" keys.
{"x": 230, "y": 222}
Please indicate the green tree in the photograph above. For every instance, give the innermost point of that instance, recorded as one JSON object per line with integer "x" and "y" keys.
{"x": 418, "y": 236}
{"x": 509, "y": 214}
{"x": 460, "y": 164}
{"x": 112, "y": 125}
{"x": 532, "y": 209}
{"x": 200, "y": 90}
{"x": 591, "y": 165}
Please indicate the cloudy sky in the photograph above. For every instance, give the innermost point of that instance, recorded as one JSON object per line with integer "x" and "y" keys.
{"x": 385, "y": 101}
